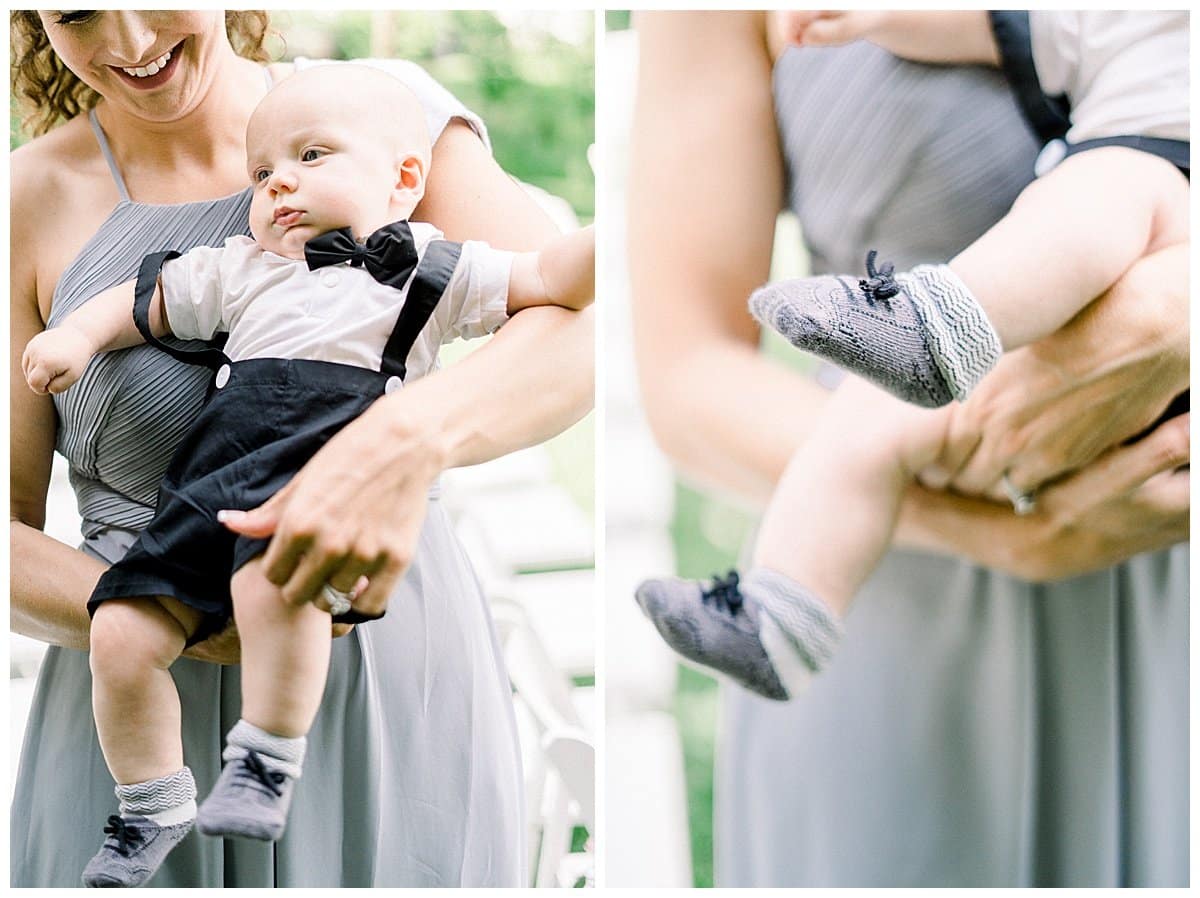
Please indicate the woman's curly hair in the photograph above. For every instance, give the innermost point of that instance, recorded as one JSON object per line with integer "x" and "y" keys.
{"x": 47, "y": 92}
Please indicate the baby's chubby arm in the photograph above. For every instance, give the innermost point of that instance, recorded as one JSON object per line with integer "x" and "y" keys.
{"x": 55, "y": 359}
{"x": 562, "y": 273}
{"x": 962, "y": 37}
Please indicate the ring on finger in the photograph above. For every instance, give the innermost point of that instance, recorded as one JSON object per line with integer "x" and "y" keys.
{"x": 1023, "y": 501}
{"x": 339, "y": 602}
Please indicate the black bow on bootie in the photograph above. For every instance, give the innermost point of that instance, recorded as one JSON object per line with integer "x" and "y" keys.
{"x": 389, "y": 255}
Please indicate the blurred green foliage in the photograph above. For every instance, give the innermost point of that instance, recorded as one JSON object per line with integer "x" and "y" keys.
{"x": 617, "y": 19}
{"x": 534, "y": 89}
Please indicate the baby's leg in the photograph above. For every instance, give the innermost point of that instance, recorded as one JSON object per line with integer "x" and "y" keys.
{"x": 930, "y": 334}
{"x": 285, "y": 655}
{"x": 134, "y": 642}
{"x": 285, "y": 660}
{"x": 833, "y": 512}
{"x": 830, "y": 519}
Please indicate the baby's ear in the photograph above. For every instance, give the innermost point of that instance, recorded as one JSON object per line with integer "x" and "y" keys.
{"x": 410, "y": 176}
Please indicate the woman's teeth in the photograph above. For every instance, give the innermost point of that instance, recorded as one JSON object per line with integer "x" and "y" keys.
{"x": 153, "y": 69}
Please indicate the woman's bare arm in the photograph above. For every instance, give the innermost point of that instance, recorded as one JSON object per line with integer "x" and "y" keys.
{"x": 706, "y": 180}
{"x": 50, "y": 581}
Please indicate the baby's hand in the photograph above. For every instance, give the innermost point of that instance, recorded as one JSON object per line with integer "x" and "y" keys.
{"x": 55, "y": 359}
{"x": 936, "y": 36}
{"x": 830, "y": 27}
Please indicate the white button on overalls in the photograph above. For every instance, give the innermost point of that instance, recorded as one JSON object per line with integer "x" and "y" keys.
{"x": 222, "y": 376}
{"x": 393, "y": 384}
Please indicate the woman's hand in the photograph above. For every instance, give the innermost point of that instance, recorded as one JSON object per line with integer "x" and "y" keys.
{"x": 1131, "y": 499}
{"x": 1056, "y": 406}
{"x": 355, "y": 510}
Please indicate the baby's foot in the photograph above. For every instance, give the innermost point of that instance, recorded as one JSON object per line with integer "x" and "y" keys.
{"x": 717, "y": 627}
{"x": 921, "y": 336}
{"x": 134, "y": 848}
{"x": 250, "y": 800}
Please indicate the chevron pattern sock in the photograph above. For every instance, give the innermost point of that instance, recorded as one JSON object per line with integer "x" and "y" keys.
{"x": 810, "y": 626}
{"x": 167, "y": 800}
{"x": 961, "y": 340}
{"x": 282, "y": 753}
{"x": 921, "y": 336}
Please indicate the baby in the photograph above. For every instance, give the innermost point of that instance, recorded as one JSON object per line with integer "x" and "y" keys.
{"x": 930, "y": 334}
{"x": 320, "y": 325}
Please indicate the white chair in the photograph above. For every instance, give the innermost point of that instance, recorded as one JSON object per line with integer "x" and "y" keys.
{"x": 558, "y": 754}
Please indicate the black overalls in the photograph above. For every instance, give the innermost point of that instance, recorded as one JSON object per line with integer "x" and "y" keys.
{"x": 262, "y": 420}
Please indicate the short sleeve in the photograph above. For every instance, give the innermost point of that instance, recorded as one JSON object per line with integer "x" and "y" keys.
{"x": 192, "y": 292}
{"x": 440, "y": 105}
{"x": 475, "y": 302}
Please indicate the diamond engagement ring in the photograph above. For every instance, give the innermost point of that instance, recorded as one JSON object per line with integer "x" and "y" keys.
{"x": 339, "y": 602}
{"x": 1023, "y": 501}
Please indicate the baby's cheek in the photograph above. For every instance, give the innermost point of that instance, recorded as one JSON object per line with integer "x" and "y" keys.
{"x": 259, "y": 225}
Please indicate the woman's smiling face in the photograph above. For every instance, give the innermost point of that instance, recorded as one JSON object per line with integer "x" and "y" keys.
{"x": 152, "y": 65}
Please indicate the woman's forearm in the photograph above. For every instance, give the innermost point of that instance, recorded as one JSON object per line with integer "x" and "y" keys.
{"x": 50, "y": 583}
{"x": 729, "y": 417}
{"x": 532, "y": 380}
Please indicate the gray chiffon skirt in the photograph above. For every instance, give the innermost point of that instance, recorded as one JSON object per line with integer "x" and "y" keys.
{"x": 974, "y": 730}
{"x": 413, "y": 773}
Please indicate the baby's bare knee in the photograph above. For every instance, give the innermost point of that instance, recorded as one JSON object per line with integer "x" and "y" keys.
{"x": 130, "y": 637}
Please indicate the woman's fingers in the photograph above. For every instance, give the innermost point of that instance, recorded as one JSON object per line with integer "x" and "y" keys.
{"x": 1123, "y": 469}
{"x": 1168, "y": 493}
{"x": 372, "y": 602}
{"x": 261, "y": 522}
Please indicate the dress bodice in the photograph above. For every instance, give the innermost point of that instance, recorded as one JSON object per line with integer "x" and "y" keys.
{"x": 919, "y": 175}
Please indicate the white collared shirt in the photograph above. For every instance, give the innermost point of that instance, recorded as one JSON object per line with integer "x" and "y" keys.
{"x": 275, "y": 307}
{"x": 1125, "y": 73}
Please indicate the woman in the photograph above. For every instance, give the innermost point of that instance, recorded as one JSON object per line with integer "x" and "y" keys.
{"x": 420, "y": 778}
{"x": 980, "y": 725}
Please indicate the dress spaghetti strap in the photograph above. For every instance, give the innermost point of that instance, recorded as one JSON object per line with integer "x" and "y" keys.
{"x": 108, "y": 156}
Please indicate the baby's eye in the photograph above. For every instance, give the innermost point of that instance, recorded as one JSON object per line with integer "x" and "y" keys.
{"x": 311, "y": 155}
{"x": 261, "y": 175}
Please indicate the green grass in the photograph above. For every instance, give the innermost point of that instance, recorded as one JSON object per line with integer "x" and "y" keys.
{"x": 696, "y": 713}
{"x": 707, "y": 535}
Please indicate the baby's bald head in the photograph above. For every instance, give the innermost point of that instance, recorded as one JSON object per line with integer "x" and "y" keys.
{"x": 379, "y": 106}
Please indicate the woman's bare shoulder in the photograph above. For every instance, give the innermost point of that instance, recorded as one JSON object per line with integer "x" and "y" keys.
{"x": 59, "y": 187}
{"x": 48, "y": 170}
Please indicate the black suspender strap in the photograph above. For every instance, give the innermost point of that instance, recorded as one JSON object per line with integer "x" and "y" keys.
{"x": 1050, "y": 117}
{"x": 147, "y": 281}
{"x": 428, "y": 284}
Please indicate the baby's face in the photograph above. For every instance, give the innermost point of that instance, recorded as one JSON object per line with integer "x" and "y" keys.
{"x": 315, "y": 166}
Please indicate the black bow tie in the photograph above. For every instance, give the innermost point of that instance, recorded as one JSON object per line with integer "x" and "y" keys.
{"x": 389, "y": 255}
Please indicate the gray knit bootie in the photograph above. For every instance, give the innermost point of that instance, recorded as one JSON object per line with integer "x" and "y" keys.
{"x": 250, "y": 800}
{"x": 715, "y": 627}
{"x": 922, "y": 335}
{"x": 133, "y": 850}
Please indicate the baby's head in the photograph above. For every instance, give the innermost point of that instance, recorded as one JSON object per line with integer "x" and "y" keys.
{"x": 330, "y": 147}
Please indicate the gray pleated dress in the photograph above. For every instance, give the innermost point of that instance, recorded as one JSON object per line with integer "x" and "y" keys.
{"x": 974, "y": 729}
{"x": 413, "y": 773}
